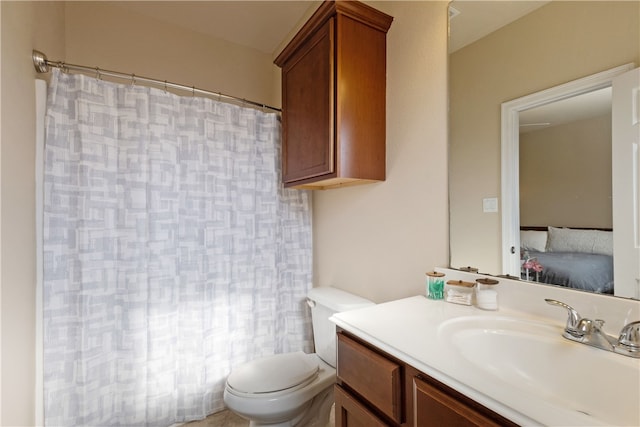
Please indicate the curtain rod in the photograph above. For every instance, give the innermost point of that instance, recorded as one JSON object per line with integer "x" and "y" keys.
{"x": 43, "y": 65}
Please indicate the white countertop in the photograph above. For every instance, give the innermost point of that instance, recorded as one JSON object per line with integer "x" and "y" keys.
{"x": 408, "y": 329}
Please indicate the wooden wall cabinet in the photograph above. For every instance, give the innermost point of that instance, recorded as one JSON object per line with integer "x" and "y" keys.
{"x": 333, "y": 98}
{"x": 375, "y": 389}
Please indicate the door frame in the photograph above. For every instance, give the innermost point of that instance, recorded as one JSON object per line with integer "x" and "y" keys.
{"x": 510, "y": 153}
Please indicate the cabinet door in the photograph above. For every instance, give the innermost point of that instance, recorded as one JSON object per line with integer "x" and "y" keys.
{"x": 308, "y": 149}
{"x": 435, "y": 407}
{"x": 351, "y": 413}
{"x": 373, "y": 376}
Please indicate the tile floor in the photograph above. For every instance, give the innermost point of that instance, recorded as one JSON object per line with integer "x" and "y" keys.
{"x": 220, "y": 419}
{"x": 229, "y": 419}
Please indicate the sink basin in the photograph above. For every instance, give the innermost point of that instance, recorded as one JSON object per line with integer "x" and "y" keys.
{"x": 534, "y": 358}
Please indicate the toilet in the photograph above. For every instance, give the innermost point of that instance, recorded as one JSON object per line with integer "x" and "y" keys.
{"x": 294, "y": 389}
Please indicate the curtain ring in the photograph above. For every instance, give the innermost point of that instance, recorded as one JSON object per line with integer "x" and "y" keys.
{"x": 165, "y": 86}
{"x": 193, "y": 91}
{"x": 98, "y": 76}
{"x": 133, "y": 79}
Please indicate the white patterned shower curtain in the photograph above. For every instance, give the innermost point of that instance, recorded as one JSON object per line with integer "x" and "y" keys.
{"x": 171, "y": 252}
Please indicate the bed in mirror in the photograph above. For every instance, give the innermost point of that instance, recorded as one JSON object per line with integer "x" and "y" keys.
{"x": 555, "y": 216}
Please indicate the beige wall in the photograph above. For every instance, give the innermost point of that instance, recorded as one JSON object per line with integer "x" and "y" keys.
{"x": 565, "y": 175}
{"x": 376, "y": 240}
{"x": 25, "y": 25}
{"x": 105, "y": 35}
{"x": 557, "y": 43}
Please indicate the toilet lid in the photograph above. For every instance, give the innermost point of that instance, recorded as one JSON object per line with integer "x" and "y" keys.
{"x": 273, "y": 373}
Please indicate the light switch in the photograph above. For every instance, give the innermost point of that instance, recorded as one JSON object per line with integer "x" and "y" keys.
{"x": 490, "y": 205}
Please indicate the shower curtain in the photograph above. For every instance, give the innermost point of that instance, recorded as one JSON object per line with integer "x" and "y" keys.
{"x": 171, "y": 252}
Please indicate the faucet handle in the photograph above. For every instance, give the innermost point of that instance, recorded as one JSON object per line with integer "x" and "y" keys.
{"x": 574, "y": 325}
{"x": 586, "y": 326}
{"x": 630, "y": 337}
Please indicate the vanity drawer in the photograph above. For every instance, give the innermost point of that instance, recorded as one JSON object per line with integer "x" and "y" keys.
{"x": 438, "y": 405}
{"x": 375, "y": 377}
{"x": 351, "y": 413}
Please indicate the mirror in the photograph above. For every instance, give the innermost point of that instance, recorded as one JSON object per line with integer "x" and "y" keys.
{"x": 545, "y": 45}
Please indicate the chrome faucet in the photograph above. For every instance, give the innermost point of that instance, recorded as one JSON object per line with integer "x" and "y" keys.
{"x": 587, "y": 331}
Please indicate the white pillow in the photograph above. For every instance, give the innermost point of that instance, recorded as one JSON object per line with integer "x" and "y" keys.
{"x": 586, "y": 241}
{"x": 533, "y": 240}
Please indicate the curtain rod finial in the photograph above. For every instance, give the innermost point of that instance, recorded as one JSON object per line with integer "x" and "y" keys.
{"x": 40, "y": 61}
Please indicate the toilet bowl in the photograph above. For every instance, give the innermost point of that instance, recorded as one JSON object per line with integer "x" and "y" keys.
{"x": 283, "y": 390}
{"x": 293, "y": 389}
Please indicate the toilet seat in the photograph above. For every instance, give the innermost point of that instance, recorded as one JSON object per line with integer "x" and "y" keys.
{"x": 273, "y": 374}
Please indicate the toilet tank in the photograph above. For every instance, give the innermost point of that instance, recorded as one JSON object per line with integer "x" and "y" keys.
{"x": 324, "y": 302}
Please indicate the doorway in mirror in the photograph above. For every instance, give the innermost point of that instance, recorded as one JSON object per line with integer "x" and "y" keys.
{"x": 565, "y": 199}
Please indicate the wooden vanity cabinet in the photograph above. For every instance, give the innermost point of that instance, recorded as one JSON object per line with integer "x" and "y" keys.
{"x": 333, "y": 98}
{"x": 375, "y": 389}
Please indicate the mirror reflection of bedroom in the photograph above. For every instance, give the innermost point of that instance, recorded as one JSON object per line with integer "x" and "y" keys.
{"x": 583, "y": 184}
{"x": 565, "y": 193}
